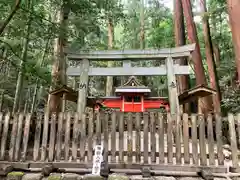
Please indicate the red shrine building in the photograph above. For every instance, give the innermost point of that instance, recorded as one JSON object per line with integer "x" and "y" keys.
{"x": 133, "y": 97}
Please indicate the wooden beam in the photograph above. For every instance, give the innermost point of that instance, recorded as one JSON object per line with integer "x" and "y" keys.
{"x": 111, "y": 55}
{"x": 129, "y": 71}
{"x": 162, "y": 167}
{"x": 127, "y": 64}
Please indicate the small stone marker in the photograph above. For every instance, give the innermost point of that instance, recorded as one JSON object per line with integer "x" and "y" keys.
{"x": 97, "y": 160}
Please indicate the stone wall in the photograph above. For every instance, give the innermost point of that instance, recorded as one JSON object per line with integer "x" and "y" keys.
{"x": 68, "y": 176}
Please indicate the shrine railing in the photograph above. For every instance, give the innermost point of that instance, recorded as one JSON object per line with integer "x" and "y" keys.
{"x": 130, "y": 140}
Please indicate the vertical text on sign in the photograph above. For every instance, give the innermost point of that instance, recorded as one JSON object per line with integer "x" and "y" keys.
{"x": 82, "y": 85}
{"x": 97, "y": 160}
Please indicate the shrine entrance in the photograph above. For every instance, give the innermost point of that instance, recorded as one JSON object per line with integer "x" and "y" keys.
{"x": 133, "y": 103}
{"x": 169, "y": 69}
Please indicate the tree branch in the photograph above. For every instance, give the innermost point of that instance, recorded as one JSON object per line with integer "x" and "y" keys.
{"x": 9, "y": 18}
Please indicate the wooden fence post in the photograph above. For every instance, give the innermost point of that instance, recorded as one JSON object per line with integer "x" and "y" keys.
{"x": 233, "y": 140}
{"x": 26, "y": 135}
{"x": 76, "y": 133}
{"x": 186, "y": 138}
{"x": 105, "y": 137}
{"x": 153, "y": 137}
{"x": 161, "y": 138}
{"x": 13, "y": 137}
{"x": 129, "y": 137}
{"x": 51, "y": 151}
{"x": 218, "y": 129}
{"x": 83, "y": 137}
{"x": 169, "y": 138}
{"x": 45, "y": 136}
{"x": 113, "y": 136}
{"x": 90, "y": 137}
{"x": 19, "y": 137}
{"x": 37, "y": 137}
{"x": 59, "y": 136}
{"x": 145, "y": 137}
{"x": 210, "y": 140}
{"x": 138, "y": 137}
{"x": 194, "y": 133}
{"x": 67, "y": 135}
{"x": 178, "y": 140}
{"x": 202, "y": 140}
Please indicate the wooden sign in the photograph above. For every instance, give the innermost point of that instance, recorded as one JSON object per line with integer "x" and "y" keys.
{"x": 97, "y": 159}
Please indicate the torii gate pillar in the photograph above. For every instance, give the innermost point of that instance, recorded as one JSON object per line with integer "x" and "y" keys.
{"x": 83, "y": 86}
{"x": 172, "y": 87}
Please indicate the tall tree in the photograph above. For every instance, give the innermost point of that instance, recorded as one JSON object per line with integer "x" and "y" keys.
{"x": 210, "y": 58}
{"x": 234, "y": 13}
{"x": 20, "y": 78}
{"x": 59, "y": 61}
{"x": 142, "y": 34}
{"x": 179, "y": 30}
{"x": 142, "y": 25}
{"x": 36, "y": 88}
{"x": 109, "y": 83}
{"x": 204, "y": 103}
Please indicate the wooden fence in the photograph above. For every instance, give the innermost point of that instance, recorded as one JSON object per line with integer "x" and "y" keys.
{"x": 130, "y": 140}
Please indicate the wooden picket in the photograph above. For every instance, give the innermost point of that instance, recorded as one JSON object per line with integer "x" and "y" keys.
{"x": 127, "y": 138}
{"x": 233, "y": 140}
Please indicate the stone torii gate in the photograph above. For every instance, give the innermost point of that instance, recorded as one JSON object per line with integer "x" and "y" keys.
{"x": 170, "y": 69}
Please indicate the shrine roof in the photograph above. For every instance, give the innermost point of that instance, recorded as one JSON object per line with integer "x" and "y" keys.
{"x": 132, "y": 90}
{"x": 132, "y": 81}
{"x": 62, "y": 89}
{"x": 133, "y": 85}
{"x": 194, "y": 93}
{"x": 71, "y": 95}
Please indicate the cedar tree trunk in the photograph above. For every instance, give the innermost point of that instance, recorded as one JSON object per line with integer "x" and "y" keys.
{"x": 210, "y": 58}
{"x": 234, "y": 14}
{"x": 204, "y": 103}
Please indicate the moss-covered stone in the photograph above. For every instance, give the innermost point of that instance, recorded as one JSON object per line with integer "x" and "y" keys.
{"x": 118, "y": 177}
{"x": 55, "y": 177}
{"x": 92, "y": 177}
{"x": 139, "y": 177}
{"x": 71, "y": 176}
{"x": 15, "y": 175}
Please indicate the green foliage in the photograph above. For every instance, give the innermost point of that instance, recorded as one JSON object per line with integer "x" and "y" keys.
{"x": 162, "y": 35}
{"x": 231, "y": 100}
{"x": 221, "y": 36}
